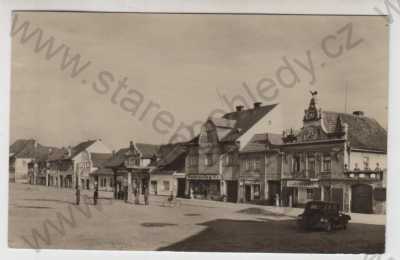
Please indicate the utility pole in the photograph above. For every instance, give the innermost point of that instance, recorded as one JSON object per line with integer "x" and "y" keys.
{"x": 345, "y": 97}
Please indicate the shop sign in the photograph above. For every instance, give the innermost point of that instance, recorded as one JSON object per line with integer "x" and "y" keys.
{"x": 302, "y": 184}
{"x": 203, "y": 177}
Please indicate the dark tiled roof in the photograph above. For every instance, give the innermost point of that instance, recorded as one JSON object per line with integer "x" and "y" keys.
{"x": 59, "y": 154}
{"x": 172, "y": 156}
{"x": 32, "y": 149}
{"x": 98, "y": 159}
{"x": 20, "y": 144}
{"x": 258, "y": 142}
{"x": 223, "y": 122}
{"x": 81, "y": 147}
{"x": 147, "y": 150}
{"x": 118, "y": 159}
{"x": 245, "y": 119}
{"x": 363, "y": 132}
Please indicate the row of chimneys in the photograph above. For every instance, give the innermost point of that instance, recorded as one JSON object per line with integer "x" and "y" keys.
{"x": 256, "y": 105}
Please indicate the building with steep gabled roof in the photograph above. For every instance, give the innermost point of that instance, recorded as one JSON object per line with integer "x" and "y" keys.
{"x": 260, "y": 168}
{"x": 24, "y": 152}
{"x": 168, "y": 175}
{"x": 212, "y": 163}
{"x": 335, "y": 156}
{"x": 130, "y": 169}
{"x": 71, "y": 167}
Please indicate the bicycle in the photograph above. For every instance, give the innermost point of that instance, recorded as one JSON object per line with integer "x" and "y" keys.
{"x": 171, "y": 202}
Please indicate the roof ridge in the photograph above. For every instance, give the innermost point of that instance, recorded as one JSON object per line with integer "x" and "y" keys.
{"x": 250, "y": 109}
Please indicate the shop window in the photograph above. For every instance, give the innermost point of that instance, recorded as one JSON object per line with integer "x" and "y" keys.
{"x": 326, "y": 164}
{"x": 166, "y": 185}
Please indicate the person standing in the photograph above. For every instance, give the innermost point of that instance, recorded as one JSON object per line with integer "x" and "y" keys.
{"x": 78, "y": 195}
{"x": 136, "y": 193}
{"x": 146, "y": 195}
{"x": 96, "y": 193}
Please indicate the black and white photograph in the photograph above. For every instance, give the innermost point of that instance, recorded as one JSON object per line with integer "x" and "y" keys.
{"x": 198, "y": 132}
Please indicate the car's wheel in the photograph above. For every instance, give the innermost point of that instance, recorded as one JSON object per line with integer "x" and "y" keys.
{"x": 328, "y": 227}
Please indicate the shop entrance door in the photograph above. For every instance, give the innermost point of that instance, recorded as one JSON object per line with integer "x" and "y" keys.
{"x": 232, "y": 191}
{"x": 181, "y": 187}
{"x": 247, "y": 192}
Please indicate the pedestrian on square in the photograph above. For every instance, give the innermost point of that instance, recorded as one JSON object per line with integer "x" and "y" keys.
{"x": 136, "y": 194}
{"x": 96, "y": 193}
{"x": 146, "y": 195}
{"x": 125, "y": 194}
{"x": 78, "y": 195}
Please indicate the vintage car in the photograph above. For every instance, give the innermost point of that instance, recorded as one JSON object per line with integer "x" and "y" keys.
{"x": 322, "y": 215}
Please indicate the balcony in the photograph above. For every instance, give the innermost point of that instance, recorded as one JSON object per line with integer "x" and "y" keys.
{"x": 374, "y": 175}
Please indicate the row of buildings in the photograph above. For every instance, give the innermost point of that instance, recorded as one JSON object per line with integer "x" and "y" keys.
{"x": 236, "y": 158}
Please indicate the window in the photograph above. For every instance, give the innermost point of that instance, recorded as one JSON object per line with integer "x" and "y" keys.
{"x": 192, "y": 160}
{"x": 326, "y": 164}
{"x": 166, "y": 185}
{"x": 247, "y": 164}
{"x": 296, "y": 163}
{"x": 209, "y": 136}
{"x": 311, "y": 167}
{"x": 366, "y": 162}
{"x": 208, "y": 160}
{"x": 257, "y": 191}
{"x": 257, "y": 164}
{"x": 103, "y": 182}
{"x": 310, "y": 194}
{"x": 228, "y": 160}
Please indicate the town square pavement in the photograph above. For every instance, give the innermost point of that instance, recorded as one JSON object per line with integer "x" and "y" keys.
{"x": 46, "y": 217}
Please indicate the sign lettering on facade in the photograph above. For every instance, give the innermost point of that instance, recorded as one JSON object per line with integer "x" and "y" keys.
{"x": 203, "y": 177}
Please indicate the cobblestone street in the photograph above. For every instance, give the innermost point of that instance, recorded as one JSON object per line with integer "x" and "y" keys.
{"x": 194, "y": 225}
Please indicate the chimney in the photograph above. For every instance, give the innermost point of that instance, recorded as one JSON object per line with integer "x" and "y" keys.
{"x": 113, "y": 153}
{"x": 358, "y": 113}
{"x": 239, "y": 108}
{"x": 131, "y": 145}
{"x": 257, "y": 104}
{"x": 35, "y": 144}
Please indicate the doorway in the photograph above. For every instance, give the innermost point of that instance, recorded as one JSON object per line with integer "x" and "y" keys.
{"x": 247, "y": 192}
{"x": 231, "y": 191}
{"x": 181, "y": 187}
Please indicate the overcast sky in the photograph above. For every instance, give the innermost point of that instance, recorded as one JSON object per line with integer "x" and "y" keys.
{"x": 181, "y": 63}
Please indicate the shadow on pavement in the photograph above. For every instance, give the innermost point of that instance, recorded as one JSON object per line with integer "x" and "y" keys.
{"x": 50, "y": 200}
{"x": 280, "y": 236}
{"x": 33, "y": 207}
{"x": 157, "y": 224}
